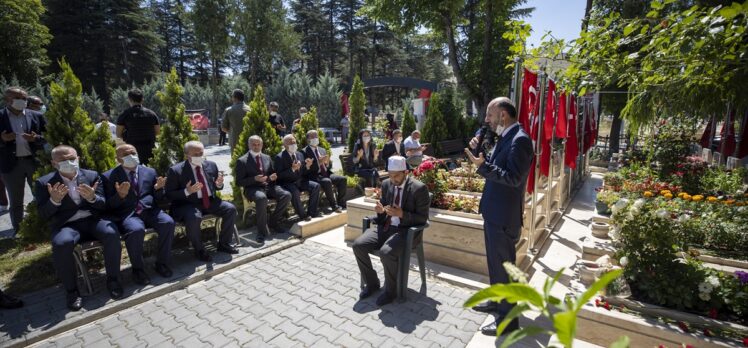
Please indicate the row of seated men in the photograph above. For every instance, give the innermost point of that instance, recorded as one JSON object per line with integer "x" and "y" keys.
{"x": 81, "y": 204}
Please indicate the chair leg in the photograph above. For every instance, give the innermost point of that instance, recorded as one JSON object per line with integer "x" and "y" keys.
{"x": 82, "y": 269}
{"x": 421, "y": 264}
{"x": 402, "y": 272}
{"x": 237, "y": 237}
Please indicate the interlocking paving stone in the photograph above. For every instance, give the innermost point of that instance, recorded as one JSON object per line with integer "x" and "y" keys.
{"x": 303, "y": 296}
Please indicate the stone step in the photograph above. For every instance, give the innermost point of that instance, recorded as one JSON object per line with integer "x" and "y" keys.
{"x": 306, "y": 229}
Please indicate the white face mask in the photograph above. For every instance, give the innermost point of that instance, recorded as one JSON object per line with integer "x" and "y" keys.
{"x": 366, "y": 139}
{"x": 130, "y": 161}
{"x": 292, "y": 148}
{"x": 18, "y": 104}
{"x": 43, "y": 110}
{"x": 197, "y": 161}
{"x": 68, "y": 166}
{"x": 314, "y": 142}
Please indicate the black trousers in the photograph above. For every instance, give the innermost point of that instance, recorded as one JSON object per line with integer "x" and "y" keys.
{"x": 340, "y": 185}
{"x": 192, "y": 215}
{"x": 260, "y": 197}
{"x": 133, "y": 230}
{"x": 500, "y": 247}
{"x": 390, "y": 244}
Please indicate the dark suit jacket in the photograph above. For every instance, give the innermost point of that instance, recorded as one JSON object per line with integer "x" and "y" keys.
{"x": 390, "y": 150}
{"x": 58, "y": 215}
{"x": 365, "y": 162}
{"x": 118, "y": 208}
{"x": 282, "y": 164}
{"x": 503, "y": 199}
{"x": 415, "y": 202}
{"x": 246, "y": 170}
{"x": 314, "y": 171}
{"x": 8, "y": 148}
{"x": 180, "y": 174}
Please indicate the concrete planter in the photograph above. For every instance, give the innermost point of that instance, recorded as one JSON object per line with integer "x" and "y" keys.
{"x": 600, "y": 229}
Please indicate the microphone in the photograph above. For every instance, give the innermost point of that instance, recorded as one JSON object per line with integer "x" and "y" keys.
{"x": 481, "y": 137}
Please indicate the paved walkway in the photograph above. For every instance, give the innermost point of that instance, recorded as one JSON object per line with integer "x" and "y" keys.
{"x": 303, "y": 296}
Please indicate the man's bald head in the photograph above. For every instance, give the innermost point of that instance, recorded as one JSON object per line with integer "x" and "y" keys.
{"x": 502, "y": 103}
{"x": 125, "y": 149}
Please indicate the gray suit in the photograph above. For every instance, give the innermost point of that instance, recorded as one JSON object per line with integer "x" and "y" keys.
{"x": 232, "y": 120}
{"x": 259, "y": 192}
{"x": 390, "y": 241}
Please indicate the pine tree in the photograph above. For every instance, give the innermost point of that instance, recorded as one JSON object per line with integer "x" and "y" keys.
{"x": 26, "y": 37}
{"x": 67, "y": 124}
{"x": 93, "y": 105}
{"x": 256, "y": 122}
{"x": 102, "y": 154}
{"x": 435, "y": 129}
{"x": 308, "y": 122}
{"x": 176, "y": 131}
{"x": 409, "y": 122}
{"x": 357, "y": 103}
{"x": 326, "y": 95}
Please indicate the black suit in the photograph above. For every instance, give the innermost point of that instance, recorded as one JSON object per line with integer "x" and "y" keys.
{"x": 65, "y": 233}
{"x": 190, "y": 208}
{"x": 259, "y": 192}
{"x": 294, "y": 182}
{"x": 390, "y": 240}
{"x": 138, "y": 210}
{"x": 19, "y": 171}
{"x": 390, "y": 150}
{"x": 326, "y": 179}
{"x": 366, "y": 166}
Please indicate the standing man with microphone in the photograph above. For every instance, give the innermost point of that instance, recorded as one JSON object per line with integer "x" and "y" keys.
{"x": 502, "y": 202}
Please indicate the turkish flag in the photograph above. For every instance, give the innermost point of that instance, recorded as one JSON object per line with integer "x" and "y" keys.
{"x": 344, "y": 107}
{"x": 550, "y": 119}
{"x": 572, "y": 142}
{"x": 727, "y": 135}
{"x": 528, "y": 107}
{"x": 561, "y": 117}
{"x": 590, "y": 127}
{"x": 704, "y": 142}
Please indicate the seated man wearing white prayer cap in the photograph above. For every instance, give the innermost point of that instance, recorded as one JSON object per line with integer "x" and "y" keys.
{"x": 404, "y": 203}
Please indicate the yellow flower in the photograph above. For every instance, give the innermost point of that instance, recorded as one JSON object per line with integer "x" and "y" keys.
{"x": 697, "y": 198}
{"x": 729, "y": 201}
{"x": 739, "y": 204}
{"x": 648, "y": 194}
{"x": 686, "y": 197}
{"x": 668, "y": 195}
{"x": 712, "y": 199}
{"x": 664, "y": 192}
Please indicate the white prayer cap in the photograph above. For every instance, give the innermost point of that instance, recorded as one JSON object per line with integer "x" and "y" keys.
{"x": 396, "y": 164}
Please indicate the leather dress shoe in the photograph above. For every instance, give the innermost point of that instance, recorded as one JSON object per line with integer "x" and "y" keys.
{"x": 490, "y": 329}
{"x": 317, "y": 216}
{"x": 384, "y": 299}
{"x": 337, "y": 209}
{"x": 140, "y": 277}
{"x": 228, "y": 249}
{"x": 163, "y": 270}
{"x": 9, "y": 302}
{"x": 74, "y": 300}
{"x": 115, "y": 289}
{"x": 203, "y": 255}
{"x": 487, "y": 307}
{"x": 260, "y": 238}
{"x": 307, "y": 218}
{"x": 279, "y": 229}
{"x": 368, "y": 291}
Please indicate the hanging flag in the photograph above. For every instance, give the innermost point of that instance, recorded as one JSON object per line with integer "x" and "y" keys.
{"x": 528, "y": 107}
{"x": 590, "y": 127}
{"x": 704, "y": 142}
{"x": 549, "y": 120}
{"x": 562, "y": 117}
{"x": 743, "y": 149}
{"x": 727, "y": 136}
{"x": 572, "y": 142}
{"x": 344, "y": 107}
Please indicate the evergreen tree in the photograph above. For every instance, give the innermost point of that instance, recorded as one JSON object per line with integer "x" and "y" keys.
{"x": 93, "y": 105}
{"x": 67, "y": 124}
{"x": 435, "y": 129}
{"x": 326, "y": 95}
{"x": 176, "y": 31}
{"x": 409, "y": 122}
{"x": 256, "y": 122}
{"x": 310, "y": 23}
{"x": 451, "y": 113}
{"x": 176, "y": 130}
{"x": 212, "y": 22}
{"x": 307, "y": 123}
{"x": 24, "y": 40}
{"x": 357, "y": 103}
{"x": 102, "y": 154}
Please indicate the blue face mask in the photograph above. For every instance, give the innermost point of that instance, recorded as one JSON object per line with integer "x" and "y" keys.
{"x": 43, "y": 110}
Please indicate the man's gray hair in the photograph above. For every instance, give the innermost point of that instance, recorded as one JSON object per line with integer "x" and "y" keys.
{"x": 415, "y": 132}
{"x": 287, "y": 138}
{"x": 310, "y": 132}
{"x": 192, "y": 144}
{"x": 254, "y": 138}
{"x": 60, "y": 150}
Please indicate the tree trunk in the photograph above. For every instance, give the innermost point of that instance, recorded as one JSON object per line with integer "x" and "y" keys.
{"x": 615, "y": 136}
{"x": 332, "y": 38}
{"x": 454, "y": 62}
{"x": 586, "y": 19}
{"x": 488, "y": 38}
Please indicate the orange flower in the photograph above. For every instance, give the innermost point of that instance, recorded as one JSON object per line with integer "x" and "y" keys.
{"x": 648, "y": 194}
{"x": 729, "y": 201}
{"x": 663, "y": 192}
{"x": 697, "y": 198}
{"x": 712, "y": 199}
{"x": 686, "y": 197}
{"x": 668, "y": 195}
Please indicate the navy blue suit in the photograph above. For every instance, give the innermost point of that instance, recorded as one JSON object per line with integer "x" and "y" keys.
{"x": 189, "y": 208}
{"x": 503, "y": 202}
{"x": 294, "y": 182}
{"x": 139, "y": 210}
{"x": 327, "y": 179}
{"x": 65, "y": 234}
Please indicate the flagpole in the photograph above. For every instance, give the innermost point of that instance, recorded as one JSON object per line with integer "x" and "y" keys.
{"x": 516, "y": 92}
{"x": 550, "y": 193}
{"x": 582, "y": 153}
{"x": 538, "y": 150}
{"x": 567, "y": 192}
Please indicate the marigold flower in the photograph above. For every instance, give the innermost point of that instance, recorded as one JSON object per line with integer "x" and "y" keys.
{"x": 668, "y": 195}
{"x": 712, "y": 199}
{"x": 729, "y": 201}
{"x": 648, "y": 194}
{"x": 697, "y": 198}
{"x": 663, "y": 192}
{"x": 686, "y": 197}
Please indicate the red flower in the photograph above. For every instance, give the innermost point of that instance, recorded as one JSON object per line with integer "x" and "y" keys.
{"x": 683, "y": 326}
{"x": 708, "y": 333}
{"x": 661, "y": 346}
{"x": 745, "y": 341}
{"x": 713, "y": 313}
{"x": 607, "y": 305}
{"x": 428, "y": 165}
{"x": 597, "y": 303}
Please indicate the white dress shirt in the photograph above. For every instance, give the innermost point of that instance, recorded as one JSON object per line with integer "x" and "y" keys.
{"x": 72, "y": 185}
{"x": 411, "y": 144}
{"x": 20, "y": 124}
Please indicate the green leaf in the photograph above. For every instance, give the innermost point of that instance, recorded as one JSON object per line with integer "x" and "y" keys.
{"x": 513, "y": 293}
{"x": 657, "y": 5}
{"x": 597, "y": 286}
{"x": 518, "y": 335}
{"x": 514, "y": 313}
{"x": 621, "y": 342}
{"x": 629, "y": 29}
{"x": 565, "y": 324}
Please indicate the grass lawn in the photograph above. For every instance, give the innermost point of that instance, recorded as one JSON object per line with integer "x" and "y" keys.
{"x": 26, "y": 269}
